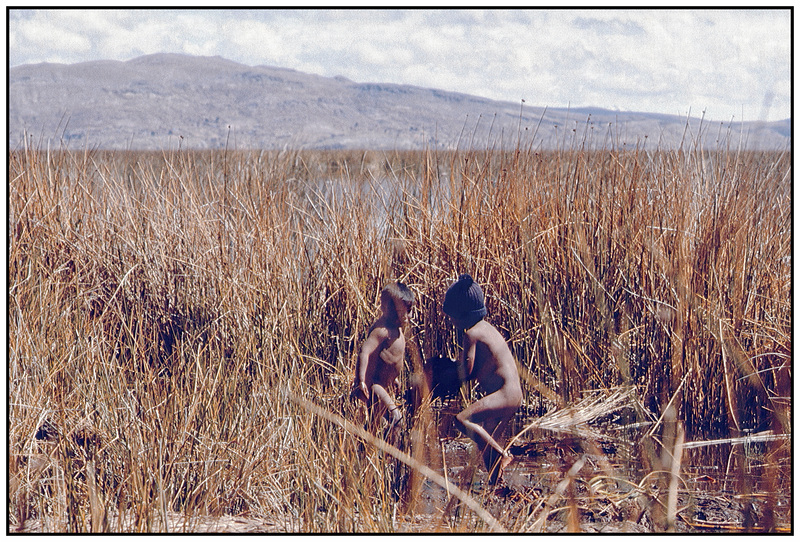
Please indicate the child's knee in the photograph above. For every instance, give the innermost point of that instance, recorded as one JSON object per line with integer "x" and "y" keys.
{"x": 510, "y": 403}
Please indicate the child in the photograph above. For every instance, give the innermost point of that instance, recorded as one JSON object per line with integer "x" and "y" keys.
{"x": 487, "y": 359}
{"x": 383, "y": 352}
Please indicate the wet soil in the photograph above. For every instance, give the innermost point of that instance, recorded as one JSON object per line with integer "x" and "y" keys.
{"x": 587, "y": 479}
{"x": 564, "y": 483}
{"x": 609, "y": 475}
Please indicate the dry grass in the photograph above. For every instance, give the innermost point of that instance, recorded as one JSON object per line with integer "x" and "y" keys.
{"x": 164, "y": 308}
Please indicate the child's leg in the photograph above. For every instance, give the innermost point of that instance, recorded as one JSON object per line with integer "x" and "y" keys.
{"x": 495, "y": 461}
{"x": 484, "y": 414}
{"x": 481, "y": 421}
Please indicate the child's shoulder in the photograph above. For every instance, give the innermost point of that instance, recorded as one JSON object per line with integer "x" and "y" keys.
{"x": 482, "y": 330}
{"x": 379, "y": 329}
{"x": 481, "y": 326}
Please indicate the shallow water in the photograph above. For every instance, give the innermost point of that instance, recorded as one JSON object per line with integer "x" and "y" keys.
{"x": 618, "y": 488}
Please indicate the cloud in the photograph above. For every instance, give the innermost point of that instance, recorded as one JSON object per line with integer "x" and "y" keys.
{"x": 48, "y": 38}
{"x": 609, "y": 27}
{"x": 725, "y": 60}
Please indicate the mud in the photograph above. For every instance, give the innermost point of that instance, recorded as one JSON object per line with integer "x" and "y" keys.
{"x": 611, "y": 491}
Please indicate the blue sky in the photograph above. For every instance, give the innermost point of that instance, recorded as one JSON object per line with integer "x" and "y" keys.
{"x": 732, "y": 64}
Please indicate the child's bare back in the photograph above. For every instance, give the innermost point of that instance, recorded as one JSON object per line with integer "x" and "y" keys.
{"x": 487, "y": 359}
{"x": 493, "y": 366}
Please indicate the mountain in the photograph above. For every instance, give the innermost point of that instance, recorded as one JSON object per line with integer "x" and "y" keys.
{"x": 170, "y": 100}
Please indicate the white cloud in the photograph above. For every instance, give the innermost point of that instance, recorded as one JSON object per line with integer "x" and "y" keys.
{"x": 665, "y": 60}
{"x": 49, "y": 40}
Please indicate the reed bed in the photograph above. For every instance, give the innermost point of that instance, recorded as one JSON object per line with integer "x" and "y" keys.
{"x": 176, "y": 319}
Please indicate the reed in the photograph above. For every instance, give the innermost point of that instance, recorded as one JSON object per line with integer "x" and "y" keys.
{"x": 164, "y": 306}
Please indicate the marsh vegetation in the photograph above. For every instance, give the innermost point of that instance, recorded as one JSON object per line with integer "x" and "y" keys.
{"x": 183, "y": 328}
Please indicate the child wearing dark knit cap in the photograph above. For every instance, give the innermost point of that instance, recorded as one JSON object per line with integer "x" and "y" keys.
{"x": 487, "y": 359}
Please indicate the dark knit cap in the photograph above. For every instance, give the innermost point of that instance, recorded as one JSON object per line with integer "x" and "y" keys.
{"x": 464, "y": 300}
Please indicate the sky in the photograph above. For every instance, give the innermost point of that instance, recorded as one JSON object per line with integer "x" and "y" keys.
{"x": 724, "y": 64}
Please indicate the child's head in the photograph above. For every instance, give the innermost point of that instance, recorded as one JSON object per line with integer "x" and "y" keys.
{"x": 463, "y": 302}
{"x": 397, "y": 300}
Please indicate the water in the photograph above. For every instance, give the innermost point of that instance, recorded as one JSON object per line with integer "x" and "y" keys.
{"x": 622, "y": 483}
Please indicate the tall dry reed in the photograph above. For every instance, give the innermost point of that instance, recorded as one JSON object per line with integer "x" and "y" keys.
{"x": 165, "y": 306}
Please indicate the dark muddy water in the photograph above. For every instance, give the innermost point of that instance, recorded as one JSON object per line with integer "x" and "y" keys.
{"x": 614, "y": 481}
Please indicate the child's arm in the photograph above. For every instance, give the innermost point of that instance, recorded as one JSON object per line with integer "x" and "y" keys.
{"x": 371, "y": 344}
{"x": 467, "y": 360}
{"x": 387, "y": 400}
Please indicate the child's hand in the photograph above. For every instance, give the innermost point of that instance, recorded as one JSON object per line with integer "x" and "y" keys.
{"x": 358, "y": 393}
{"x": 396, "y": 415}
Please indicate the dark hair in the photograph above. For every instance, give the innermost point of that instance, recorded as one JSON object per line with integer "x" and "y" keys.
{"x": 400, "y": 292}
{"x": 397, "y": 291}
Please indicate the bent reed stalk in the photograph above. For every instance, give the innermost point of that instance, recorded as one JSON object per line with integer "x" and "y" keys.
{"x": 160, "y": 301}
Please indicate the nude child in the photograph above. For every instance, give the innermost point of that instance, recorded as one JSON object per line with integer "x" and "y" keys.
{"x": 487, "y": 359}
{"x": 380, "y": 360}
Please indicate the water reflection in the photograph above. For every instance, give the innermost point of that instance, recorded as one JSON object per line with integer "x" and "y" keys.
{"x": 621, "y": 484}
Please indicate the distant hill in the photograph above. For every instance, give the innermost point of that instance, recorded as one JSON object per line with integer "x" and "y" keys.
{"x": 166, "y": 100}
